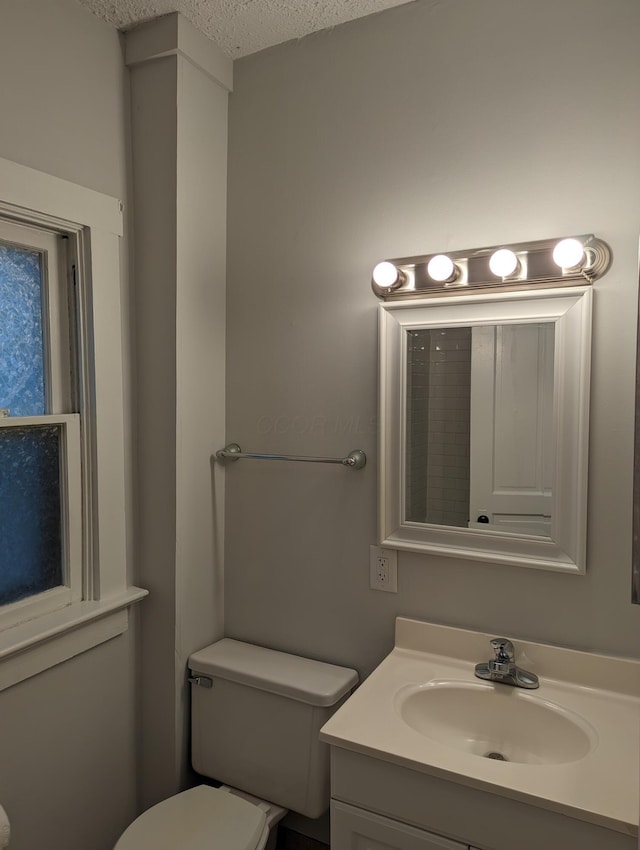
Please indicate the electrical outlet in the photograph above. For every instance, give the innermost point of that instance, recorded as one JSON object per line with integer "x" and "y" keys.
{"x": 383, "y": 569}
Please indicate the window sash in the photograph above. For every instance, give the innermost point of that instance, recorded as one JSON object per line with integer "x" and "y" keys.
{"x": 73, "y": 571}
{"x": 59, "y": 395}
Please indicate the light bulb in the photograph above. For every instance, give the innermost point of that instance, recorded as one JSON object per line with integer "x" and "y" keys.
{"x": 441, "y": 268}
{"x": 385, "y": 274}
{"x": 568, "y": 254}
{"x": 503, "y": 263}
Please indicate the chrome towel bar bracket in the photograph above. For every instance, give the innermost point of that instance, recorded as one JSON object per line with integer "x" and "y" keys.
{"x": 355, "y": 459}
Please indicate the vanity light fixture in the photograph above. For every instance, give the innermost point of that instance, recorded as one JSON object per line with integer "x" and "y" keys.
{"x": 569, "y": 254}
{"x": 546, "y": 262}
{"x": 387, "y": 277}
{"x": 504, "y": 263}
{"x": 442, "y": 269}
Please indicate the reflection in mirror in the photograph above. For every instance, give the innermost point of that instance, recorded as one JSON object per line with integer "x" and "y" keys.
{"x": 438, "y": 425}
{"x": 479, "y": 427}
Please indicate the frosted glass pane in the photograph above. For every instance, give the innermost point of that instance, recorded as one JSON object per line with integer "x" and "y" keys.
{"x": 21, "y": 344}
{"x": 30, "y": 512}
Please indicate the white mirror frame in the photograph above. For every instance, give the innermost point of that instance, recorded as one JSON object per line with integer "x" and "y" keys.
{"x": 570, "y": 310}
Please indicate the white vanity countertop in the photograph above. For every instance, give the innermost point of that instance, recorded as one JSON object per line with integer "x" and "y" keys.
{"x": 602, "y": 787}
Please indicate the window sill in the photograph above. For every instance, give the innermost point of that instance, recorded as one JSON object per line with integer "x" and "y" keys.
{"x": 30, "y": 648}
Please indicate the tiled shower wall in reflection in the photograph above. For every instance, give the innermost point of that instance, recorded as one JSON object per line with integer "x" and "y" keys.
{"x": 438, "y": 413}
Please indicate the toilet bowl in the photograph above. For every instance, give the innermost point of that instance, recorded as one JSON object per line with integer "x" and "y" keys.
{"x": 255, "y": 718}
{"x": 203, "y": 818}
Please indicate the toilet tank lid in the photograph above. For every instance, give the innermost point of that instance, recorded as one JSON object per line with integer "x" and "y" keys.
{"x": 302, "y": 679}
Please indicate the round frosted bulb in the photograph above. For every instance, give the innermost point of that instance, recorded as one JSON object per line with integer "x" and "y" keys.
{"x": 503, "y": 263}
{"x": 441, "y": 268}
{"x": 568, "y": 254}
{"x": 385, "y": 274}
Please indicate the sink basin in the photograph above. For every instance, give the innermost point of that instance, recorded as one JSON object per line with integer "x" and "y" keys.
{"x": 572, "y": 744}
{"x": 496, "y": 721}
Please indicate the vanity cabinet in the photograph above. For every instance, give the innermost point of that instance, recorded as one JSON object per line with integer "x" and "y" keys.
{"x": 357, "y": 829}
{"x": 379, "y": 805}
{"x": 408, "y": 750}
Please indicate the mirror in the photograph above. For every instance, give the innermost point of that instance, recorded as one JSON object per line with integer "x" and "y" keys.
{"x": 484, "y": 426}
{"x": 635, "y": 551}
{"x": 479, "y": 427}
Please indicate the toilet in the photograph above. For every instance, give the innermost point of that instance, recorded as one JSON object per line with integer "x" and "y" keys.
{"x": 255, "y": 718}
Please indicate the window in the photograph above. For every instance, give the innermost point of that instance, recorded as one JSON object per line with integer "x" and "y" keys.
{"x": 63, "y": 577}
{"x": 41, "y": 511}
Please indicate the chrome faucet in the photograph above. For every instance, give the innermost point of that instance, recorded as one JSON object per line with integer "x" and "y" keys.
{"x": 502, "y": 668}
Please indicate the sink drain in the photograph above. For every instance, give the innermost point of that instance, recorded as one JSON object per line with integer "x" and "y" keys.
{"x": 496, "y": 756}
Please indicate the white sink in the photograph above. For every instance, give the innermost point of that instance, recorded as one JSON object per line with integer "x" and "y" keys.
{"x": 570, "y": 746}
{"x": 496, "y": 721}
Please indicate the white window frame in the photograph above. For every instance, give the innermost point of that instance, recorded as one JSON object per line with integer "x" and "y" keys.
{"x": 94, "y": 224}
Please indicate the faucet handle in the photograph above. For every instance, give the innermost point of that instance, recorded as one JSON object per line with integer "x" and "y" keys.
{"x": 503, "y": 649}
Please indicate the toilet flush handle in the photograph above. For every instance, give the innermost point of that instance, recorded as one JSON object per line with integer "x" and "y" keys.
{"x": 201, "y": 681}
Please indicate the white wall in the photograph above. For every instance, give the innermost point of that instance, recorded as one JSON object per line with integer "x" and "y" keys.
{"x": 201, "y": 360}
{"x": 179, "y": 153}
{"x": 429, "y": 127}
{"x": 67, "y": 736}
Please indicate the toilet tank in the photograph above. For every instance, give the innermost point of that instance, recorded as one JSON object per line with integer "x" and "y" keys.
{"x": 255, "y": 719}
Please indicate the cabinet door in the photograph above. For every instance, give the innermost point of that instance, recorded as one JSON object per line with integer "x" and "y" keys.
{"x": 358, "y": 829}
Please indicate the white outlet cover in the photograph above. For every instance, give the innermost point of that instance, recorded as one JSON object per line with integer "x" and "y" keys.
{"x": 387, "y": 579}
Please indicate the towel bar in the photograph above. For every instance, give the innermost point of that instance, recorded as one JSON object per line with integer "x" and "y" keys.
{"x": 355, "y": 459}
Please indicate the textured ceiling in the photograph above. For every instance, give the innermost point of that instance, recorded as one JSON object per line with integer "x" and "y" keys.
{"x": 241, "y": 27}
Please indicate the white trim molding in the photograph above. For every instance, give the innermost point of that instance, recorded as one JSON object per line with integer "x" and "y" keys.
{"x": 93, "y": 222}
{"x": 173, "y": 35}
